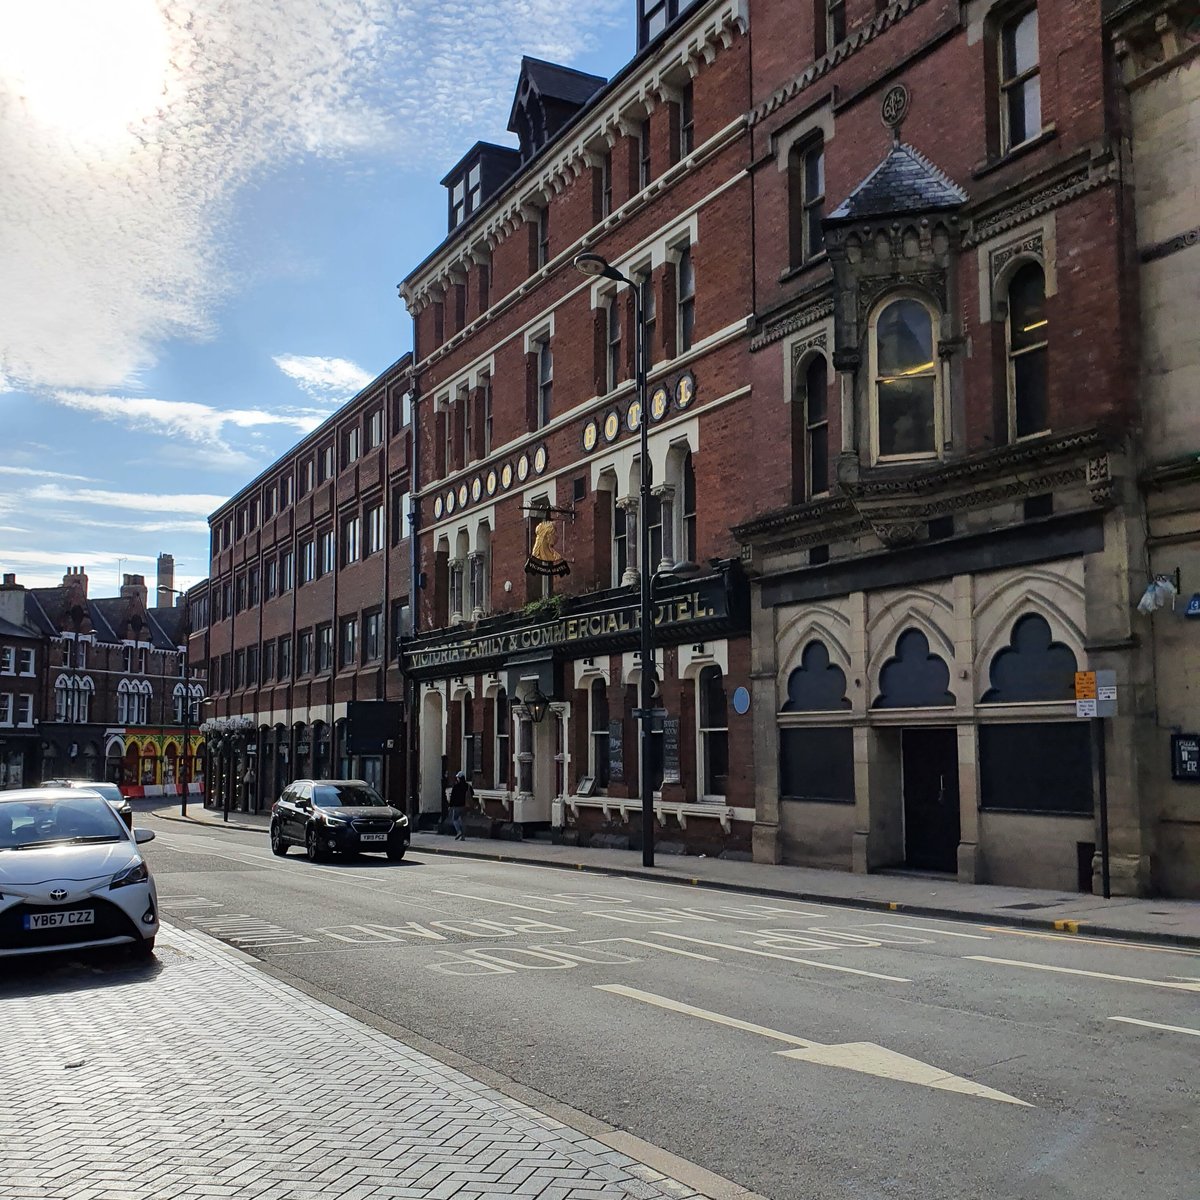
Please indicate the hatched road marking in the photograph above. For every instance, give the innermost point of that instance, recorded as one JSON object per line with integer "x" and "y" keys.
{"x": 866, "y": 1058}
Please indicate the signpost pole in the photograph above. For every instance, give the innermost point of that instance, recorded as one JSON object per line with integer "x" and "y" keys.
{"x": 1102, "y": 797}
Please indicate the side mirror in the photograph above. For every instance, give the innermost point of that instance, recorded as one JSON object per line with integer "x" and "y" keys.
{"x": 143, "y": 835}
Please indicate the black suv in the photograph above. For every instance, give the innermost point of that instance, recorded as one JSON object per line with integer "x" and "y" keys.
{"x": 328, "y": 816}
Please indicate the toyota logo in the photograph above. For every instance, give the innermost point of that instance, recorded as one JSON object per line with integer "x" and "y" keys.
{"x": 58, "y": 894}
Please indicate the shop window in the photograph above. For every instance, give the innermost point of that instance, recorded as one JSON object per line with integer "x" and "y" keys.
{"x": 1041, "y": 767}
{"x": 714, "y": 732}
{"x": 1028, "y": 346}
{"x": 816, "y": 763}
{"x": 503, "y": 726}
{"x": 904, "y": 383}
{"x": 599, "y": 732}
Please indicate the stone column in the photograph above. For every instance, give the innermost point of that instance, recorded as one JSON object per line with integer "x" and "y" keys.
{"x": 629, "y": 506}
{"x": 767, "y": 844}
{"x": 665, "y": 495}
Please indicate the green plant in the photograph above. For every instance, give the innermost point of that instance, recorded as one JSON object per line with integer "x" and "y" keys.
{"x": 544, "y": 607}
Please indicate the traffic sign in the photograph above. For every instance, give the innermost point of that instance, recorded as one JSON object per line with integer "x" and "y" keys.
{"x": 1085, "y": 685}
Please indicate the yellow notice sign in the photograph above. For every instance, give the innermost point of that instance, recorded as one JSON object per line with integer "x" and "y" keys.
{"x": 1085, "y": 685}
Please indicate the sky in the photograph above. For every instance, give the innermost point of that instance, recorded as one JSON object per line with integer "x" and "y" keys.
{"x": 207, "y": 205}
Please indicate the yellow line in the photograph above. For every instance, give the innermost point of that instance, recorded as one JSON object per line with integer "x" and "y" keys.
{"x": 1067, "y": 926}
{"x": 893, "y": 906}
{"x": 1091, "y": 941}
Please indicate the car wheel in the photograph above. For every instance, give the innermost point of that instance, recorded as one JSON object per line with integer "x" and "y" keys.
{"x": 143, "y": 948}
{"x": 278, "y": 844}
{"x": 312, "y": 847}
{"x": 396, "y": 855}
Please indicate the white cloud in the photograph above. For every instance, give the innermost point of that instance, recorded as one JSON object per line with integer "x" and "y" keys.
{"x": 189, "y": 504}
{"x": 38, "y": 473}
{"x": 130, "y": 129}
{"x": 328, "y": 379}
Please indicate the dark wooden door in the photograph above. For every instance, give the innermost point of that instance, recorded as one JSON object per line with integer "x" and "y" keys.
{"x": 931, "y": 823}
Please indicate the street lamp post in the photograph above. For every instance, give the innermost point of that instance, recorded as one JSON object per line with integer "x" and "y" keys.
{"x": 594, "y": 265}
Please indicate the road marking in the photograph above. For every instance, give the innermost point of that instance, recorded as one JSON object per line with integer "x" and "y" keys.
{"x": 1156, "y": 1025}
{"x": 487, "y": 900}
{"x": 1092, "y": 941}
{"x": 978, "y": 937}
{"x": 654, "y": 946}
{"x": 1193, "y": 986}
{"x": 1068, "y": 926}
{"x": 808, "y": 962}
{"x": 864, "y": 1057}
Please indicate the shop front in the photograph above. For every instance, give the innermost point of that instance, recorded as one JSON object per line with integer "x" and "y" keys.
{"x": 537, "y": 709}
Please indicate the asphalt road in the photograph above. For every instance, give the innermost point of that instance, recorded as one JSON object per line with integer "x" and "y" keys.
{"x": 805, "y": 1051}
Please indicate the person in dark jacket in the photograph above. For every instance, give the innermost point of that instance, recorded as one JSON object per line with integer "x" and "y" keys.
{"x": 460, "y": 797}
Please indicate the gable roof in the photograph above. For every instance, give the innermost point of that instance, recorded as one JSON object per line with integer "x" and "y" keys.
{"x": 9, "y": 630}
{"x": 554, "y": 82}
{"x": 904, "y": 182}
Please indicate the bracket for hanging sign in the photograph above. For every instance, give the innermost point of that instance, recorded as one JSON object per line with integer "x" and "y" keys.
{"x": 531, "y": 509}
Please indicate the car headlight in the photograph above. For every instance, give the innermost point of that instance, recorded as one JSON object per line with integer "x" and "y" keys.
{"x": 338, "y": 822}
{"x": 401, "y": 820}
{"x": 138, "y": 872}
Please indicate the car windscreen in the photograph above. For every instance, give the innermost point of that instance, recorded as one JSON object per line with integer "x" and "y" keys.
{"x": 29, "y": 823}
{"x": 341, "y": 795}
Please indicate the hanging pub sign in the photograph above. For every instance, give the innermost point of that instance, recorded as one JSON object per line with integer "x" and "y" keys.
{"x": 544, "y": 558}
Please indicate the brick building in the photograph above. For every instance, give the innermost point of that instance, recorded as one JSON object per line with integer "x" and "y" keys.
{"x": 950, "y": 353}
{"x": 21, "y": 661}
{"x": 109, "y": 695}
{"x": 527, "y": 439}
{"x": 306, "y": 600}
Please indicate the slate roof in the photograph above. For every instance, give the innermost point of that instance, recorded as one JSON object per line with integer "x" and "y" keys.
{"x": 109, "y": 617}
{"x": 9, "y": 630}
{"x": 905, "y": 182}
{"x": 555, "y": 82}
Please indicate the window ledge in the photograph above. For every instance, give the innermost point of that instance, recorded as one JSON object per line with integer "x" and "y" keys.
{"x": 790, "y": 273}
{"x": 1048, "y": 134}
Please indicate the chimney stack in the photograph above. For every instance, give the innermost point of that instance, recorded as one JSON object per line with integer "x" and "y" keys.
{"x": 166, "y": 581}
{"x": 134, "y": 588}
{"x": 76, "y": 577}
{"x": 12, "y": 600}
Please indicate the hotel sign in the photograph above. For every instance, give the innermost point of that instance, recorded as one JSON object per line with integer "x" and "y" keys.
{"x": 707, "y": 602}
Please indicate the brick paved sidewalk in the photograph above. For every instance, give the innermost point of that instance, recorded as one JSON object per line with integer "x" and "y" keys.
{"x": 201, "y": 1077}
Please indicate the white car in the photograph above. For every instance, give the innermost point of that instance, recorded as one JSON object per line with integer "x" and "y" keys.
{"x": 71, "y": 875}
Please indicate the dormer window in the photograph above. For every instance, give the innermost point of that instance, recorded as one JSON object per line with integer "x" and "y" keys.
{"x": 655, "y": 15}
{"x": 465, "y": 195}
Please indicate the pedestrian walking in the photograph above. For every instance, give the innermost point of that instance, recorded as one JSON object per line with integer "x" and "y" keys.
{"x": 461, "y": 795}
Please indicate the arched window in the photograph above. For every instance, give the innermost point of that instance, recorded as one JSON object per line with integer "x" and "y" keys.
{"x": 904, "y": 382}
{"x": 83, "y": 700}
{"x": 62, "y": 699}
{"x": 123, "y": 703}
{"x": 180, "y": 698}
{"x": 714, "y": 732}
{"x": 810, "y": 430}
{"x": 1028, "y": 331}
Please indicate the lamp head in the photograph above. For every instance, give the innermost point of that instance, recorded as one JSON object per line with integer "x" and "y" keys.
{"x": 537, "y": 704}
{"x": 597, "y": 266}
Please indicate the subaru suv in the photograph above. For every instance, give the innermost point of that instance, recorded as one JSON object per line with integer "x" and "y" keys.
{"x": 337, "y": 816}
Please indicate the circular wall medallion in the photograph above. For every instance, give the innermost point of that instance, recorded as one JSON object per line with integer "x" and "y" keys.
{"x": 439, "y": 506}
{"x": 685, "y": 390}
{"x": 591, "y": 435}
{"x": 894, "y": 108}
{"x": 462, "y": 495}
{"x": 476, "y": 488}
{"x": 449, "y": 502}
{"x": 660, "y": 401}
{"x": 741, "y": 701}
{"x": 506, "y": 476}
{"x": 612, "y": 425}
{"x": 633, "y": 416}
{"x": 492, "y": 483}
{"x": 523, "y": 467}
{"x": 540, "y": 458}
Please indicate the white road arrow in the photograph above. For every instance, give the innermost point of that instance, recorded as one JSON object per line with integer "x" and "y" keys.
{"x": 865, "y": 1057}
